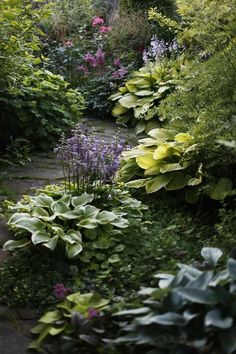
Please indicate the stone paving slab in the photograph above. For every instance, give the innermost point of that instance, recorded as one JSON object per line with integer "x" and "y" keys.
{"x": 12, "y": 341}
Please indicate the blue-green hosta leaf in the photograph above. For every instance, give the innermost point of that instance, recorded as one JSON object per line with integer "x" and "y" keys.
{"x": 52, "y": 243}
{"x": 11, "y": 245}
{"x": 128, "y": 101}
{"x": 199, "y": 296}
{"x": 220, "y": 190}
{"x": 88, "y": 223}
{"x": 83, "y": 199}
{"x": 228, "y": 340}
{"x": 162, "y": 135}
{"x": 192, "y": 272}
{"x": 211, "y": 255}
{"x": 231, "y": 265}
{"x": 216, "y": 318}
{"x": 138, "y": 183}
{"x": 157, "y": 183}
{"x": 40, "y": 237}
{"x": 167, "y": 319}
{"x": 42, "y": 200}
{"x": 165, "y": 280}
{"x": 202, "y": 281}
{"x": 29, "y": 223}
{"x": 105, "y": 217}
{"x": 73, "y": 250}
{"x": 134, "y": 312}
{"x": 178, "y": 181}
{"x": 220, "y": 277}
{"x": 40, "y": 212}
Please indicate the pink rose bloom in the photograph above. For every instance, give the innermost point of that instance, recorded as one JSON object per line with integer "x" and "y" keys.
{"x": 104, "y": 29}
{"x": 97, "y": 21}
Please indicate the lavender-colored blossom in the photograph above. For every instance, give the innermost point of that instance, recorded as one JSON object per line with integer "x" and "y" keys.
{"x": 60, "y": 291}
{"x": 90, "y": 59}
{"x": 84, "y": 69}
{"x": 88, "y": 159}
{"x": 120, "y": 73}
{"x": 159, "y": 48}
{"x": 100, "y": 57}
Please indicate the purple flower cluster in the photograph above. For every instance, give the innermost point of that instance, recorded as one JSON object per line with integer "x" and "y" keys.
{"x": 87, "y": 158}
{"x": 159, "y": 48}
{"x": 92, "y": 312}
{"x": 95, "y": 60}
{"x": 60, "y": 291}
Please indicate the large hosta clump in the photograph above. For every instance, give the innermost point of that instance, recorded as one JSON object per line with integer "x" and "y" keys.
{"x": 163, "y": 160}
{"x": 64, "y": 224}
{"x": 191, "y": 312}
{"x": 137, "y": 102}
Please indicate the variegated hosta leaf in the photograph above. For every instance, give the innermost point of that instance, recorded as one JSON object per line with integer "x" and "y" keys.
{"x": 162, "y": 134}
{"x": 162, "y": 151}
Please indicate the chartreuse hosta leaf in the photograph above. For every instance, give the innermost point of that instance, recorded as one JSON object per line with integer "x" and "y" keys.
{"x": 161, "y": 162}
{"x": 49, "y": 222}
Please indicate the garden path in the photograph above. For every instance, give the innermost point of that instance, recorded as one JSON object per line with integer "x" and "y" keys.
{"x": 15, "y": 181}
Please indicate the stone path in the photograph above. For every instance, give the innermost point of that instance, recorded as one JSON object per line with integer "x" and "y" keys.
{"x": 18, "y": 180}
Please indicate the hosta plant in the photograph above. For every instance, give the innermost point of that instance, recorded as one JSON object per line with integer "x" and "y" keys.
{"x": 64, "y": 224}
{"x": 137, "y": 102}
{"x": 76, "y": 322}
{"x": 163, "y": 160}
{"x": 190, "y": 312}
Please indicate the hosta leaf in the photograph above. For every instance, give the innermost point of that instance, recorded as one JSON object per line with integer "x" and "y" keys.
{"x": 178, "y": 181}
{"x": 42, "y": 200}
{"x": 105, "y": 217}
{"x": 83, "y": 199}
{"x": 138, "y": 183}
{"x": 120, "y": 222}
{"x": 220, "y": 190}
{"x": 30, "y": 224}
{"x": 73, "y": 250}
{"x": 90, "y": 211}
{"x": 118, "y": 110}
{"x": 114, "y": 259}
{"x": 131, "y": 87}
{"x": 123, "y": 119}
{"x": 197, "y": 295}
{"x": 88, "y": 223}
{"x": 54, "y": 331}
{"x": 228, "y": 340}
{"x": 211, "y": 255}
{"x": 148, "y": 142}
{"x": 40, "y": 212}
{"x": 115, "y": 96}
{"x": 163, "y": 89}
{"x": 216, "y": 318}
{"x": 11, "y": 245}
{"x": 183, "y": 137}
{"x": 162, "y": 134}
{"x": 154, "y": 170}
{"x": 155, "y": 184}
{"x": 17, "y": 216}
{"x": 59, "y": 207}
{"x": 195, "y": 181}
{"x": 231, "y": 265}
{"x": 167, "y": 319}
{"x": 162, "y": 151}
{"x": 128, "y": 101}
{"x": 146, "y": 161}
{"x": 141, "y": 83}
{"x": 140, "y": 127}
{"x": 50, "y": 317}
{"x": 52, "y": 243}
{"x": 40, "y": 237}
{"x": 144, "y": 93}
{"x": 74, "y": 235}
{"x": 133, "y": 153}
{"x": 168, "y": 167}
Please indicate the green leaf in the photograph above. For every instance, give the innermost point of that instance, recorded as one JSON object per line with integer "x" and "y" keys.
{"x": 60, "y": 207}
{"x": 211, "y": 255}
{"x": 220, "y": 190}
{"x": 11, "y": 245}
{"x": 215, "y": 318}
{"x": 183, "y": 137}
{"x": 88, "y": 223}
{"x": 54, "y": 331}
{"x": 231, "y": 265}
{"x": 50, "y": 317}
{"x": 73, "y": 250}
{"x": 162, "y": 134}
{"x": 128, "y": 101}
{"x": 114, "y": 259}
{"x": 30, "y": 224}
{"x": 144, "y": 93}
{"x": 105, "y": 217}
{"x": 138, "y": 183}
{"x": 157, "y": 183}
{"x": 90, "y": 211}
{"x": 40, "y": 237}
{"x": 83, "y": 199}
{"x": 178, "y": 181}
{"x": 199, "y": 296}
{"x": 39, "y": 212}
{"x": 167, "y": 319}
{"x": 118, "y": 110}
{"x": 52, "y": 243}
{"x": 42, "y": 200}
{"x": 146, "y": 161}
{"x": 163, "y": 89}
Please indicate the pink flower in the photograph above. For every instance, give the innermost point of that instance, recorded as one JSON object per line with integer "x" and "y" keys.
{"x": 97, "y": 21}
{"x": 84, "y": 69}
{"x": 92, "y": 312}
{"x": 90, "y": 59}
{"x": 117, "y": 62}
{"x": 104, "y": 29}
{"x": 60, "y": 291}
{"x": 68, "y": 43}
{"x": 100, "y": 57}
{"x": 120, "y": 73}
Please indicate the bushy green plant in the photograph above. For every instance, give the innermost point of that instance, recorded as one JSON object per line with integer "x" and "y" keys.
{"x": 45, "y": 102}
{"x": 190, "y": 312}
{"x": 137, "y": 101}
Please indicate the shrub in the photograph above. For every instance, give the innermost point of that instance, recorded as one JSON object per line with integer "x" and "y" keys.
{"x": 44, "y": 101}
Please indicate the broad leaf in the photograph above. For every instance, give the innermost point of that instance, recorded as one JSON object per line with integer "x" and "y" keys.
{"x": 211, "y": 255}
{"x": 146, "y": 161}
{"x": 157, "y": 183}
{"x": 216, "y": 318}
{"x": 197, "y": 295}
{"x": 11, "y": 245}
{"x": 73, "y": 250}
{"x": 105, "y": 217}
{"x": 83, "y": 199}
{"x": 128, "y": 101}
{"x": 40, "y": 237}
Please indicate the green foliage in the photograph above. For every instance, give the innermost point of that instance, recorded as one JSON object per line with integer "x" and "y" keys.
{"x": 64, "y": 223}
{"x": 23, "y": 280}
{"x": 73, "y": 315}
{"x": 138, "y": 100}
{"x": 162, "y": 161}
{"x": 44, "y": 101}
{"x": 194, "y": 298}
